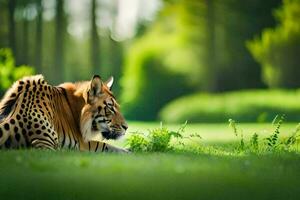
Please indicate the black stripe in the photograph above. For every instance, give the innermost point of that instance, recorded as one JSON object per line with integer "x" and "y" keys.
{"x": 103, "y": 147}
{"x": 64, "y": 93}
{"x": 67, "y": 99}
{"x": 70, "y": 140}
{"x": 89, "y": 146}
{"x": 48, "y": 136}
{"x": 44, "y": 145}
{"x": 49, "y": 141}
{"x": 8, "y": 106}
{"x": 65, "y": 137}
{"x": 97, "y": 147}
{"x": 75, "y": 144}
{"x": 43, "y": 141}
{"x": 97, "y": 116}
{"x": 73, "y": 140}
{"x": 64, "y": 140}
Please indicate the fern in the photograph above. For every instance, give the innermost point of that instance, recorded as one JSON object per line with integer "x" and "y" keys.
{"x": 254, "y": 142}
{"x": 291, "y": 140}
{"x": 240, "y": 135}
{"x": 272, "y": 140}
{"x": 162, "y": 139}
{"x": 232, "y": 124}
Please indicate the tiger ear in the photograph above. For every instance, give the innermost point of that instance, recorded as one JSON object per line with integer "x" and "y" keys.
{"x": 109, "y": 82}
{"x": 95, "y": 89}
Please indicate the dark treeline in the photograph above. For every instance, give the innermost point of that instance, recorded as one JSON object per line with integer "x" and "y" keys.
{"x": 230, "y": 24}
{"x": 37, "y": 33}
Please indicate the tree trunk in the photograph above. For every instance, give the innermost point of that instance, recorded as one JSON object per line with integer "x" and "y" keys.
{"x": 39, "y": 38}
{"x": 58, "y": 72}
{"x": 25, "y": 47}
{"x": 95, "y": 42}
{"x": 211, "y": 51}
{"x": 11, "y": 24}
{"x": 115, "y": 51}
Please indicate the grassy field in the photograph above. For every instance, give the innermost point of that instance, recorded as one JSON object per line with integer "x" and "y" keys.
{"x": 74, "y": 175}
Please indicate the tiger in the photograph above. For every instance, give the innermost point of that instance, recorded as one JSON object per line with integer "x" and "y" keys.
{"x": 79, "y": 116}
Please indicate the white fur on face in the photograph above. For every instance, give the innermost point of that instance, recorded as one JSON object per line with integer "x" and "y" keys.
{"x": 86, "y": 130}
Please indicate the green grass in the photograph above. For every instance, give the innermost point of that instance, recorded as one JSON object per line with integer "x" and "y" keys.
{"x": 213, "y": 133}
{"x": 244, "y": 106}
{"x": 75, "y": 175}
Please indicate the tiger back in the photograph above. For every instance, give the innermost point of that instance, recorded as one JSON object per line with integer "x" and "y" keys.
{"x": 34, "y": 114}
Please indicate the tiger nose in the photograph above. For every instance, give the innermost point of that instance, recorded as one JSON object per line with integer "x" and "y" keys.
{"x": 124, "y": 126}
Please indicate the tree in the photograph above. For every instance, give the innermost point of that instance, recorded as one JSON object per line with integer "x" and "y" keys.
{"x": 39, "y": 35}
{"x": 277, "y": 50}
{"x": 236, "y": 22}
{"x": 210, "y": 51}
{"x": 95, "y": 42}
{"x": 25, "y": 38}
{"x": 60, "y": 24}
{"x": 11, "y": 24}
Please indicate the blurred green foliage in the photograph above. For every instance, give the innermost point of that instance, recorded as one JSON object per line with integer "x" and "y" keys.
{"x": 236, "y": 22}
{"x": 161, "y": 65}
{"x": 193, "y": 45}
{"x": 278, "y": 48}
{"x": 9, "y": 72}
{"x": 244, "y": 106}
{"x": 171, "y": 48}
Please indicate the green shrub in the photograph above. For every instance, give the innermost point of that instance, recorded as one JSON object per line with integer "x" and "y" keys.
{"x": 157, "y": 140}
{"x": 163, "y": 63}
{"x": 137, "y": 142}
{"x": 148, "y": 85}
{"x": 9, "y": 72}
{"x": 244, "y": 106}
{"x": 278, "y": 49}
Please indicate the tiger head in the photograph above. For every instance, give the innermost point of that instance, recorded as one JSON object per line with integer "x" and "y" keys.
{"x": 101, "y": 117}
